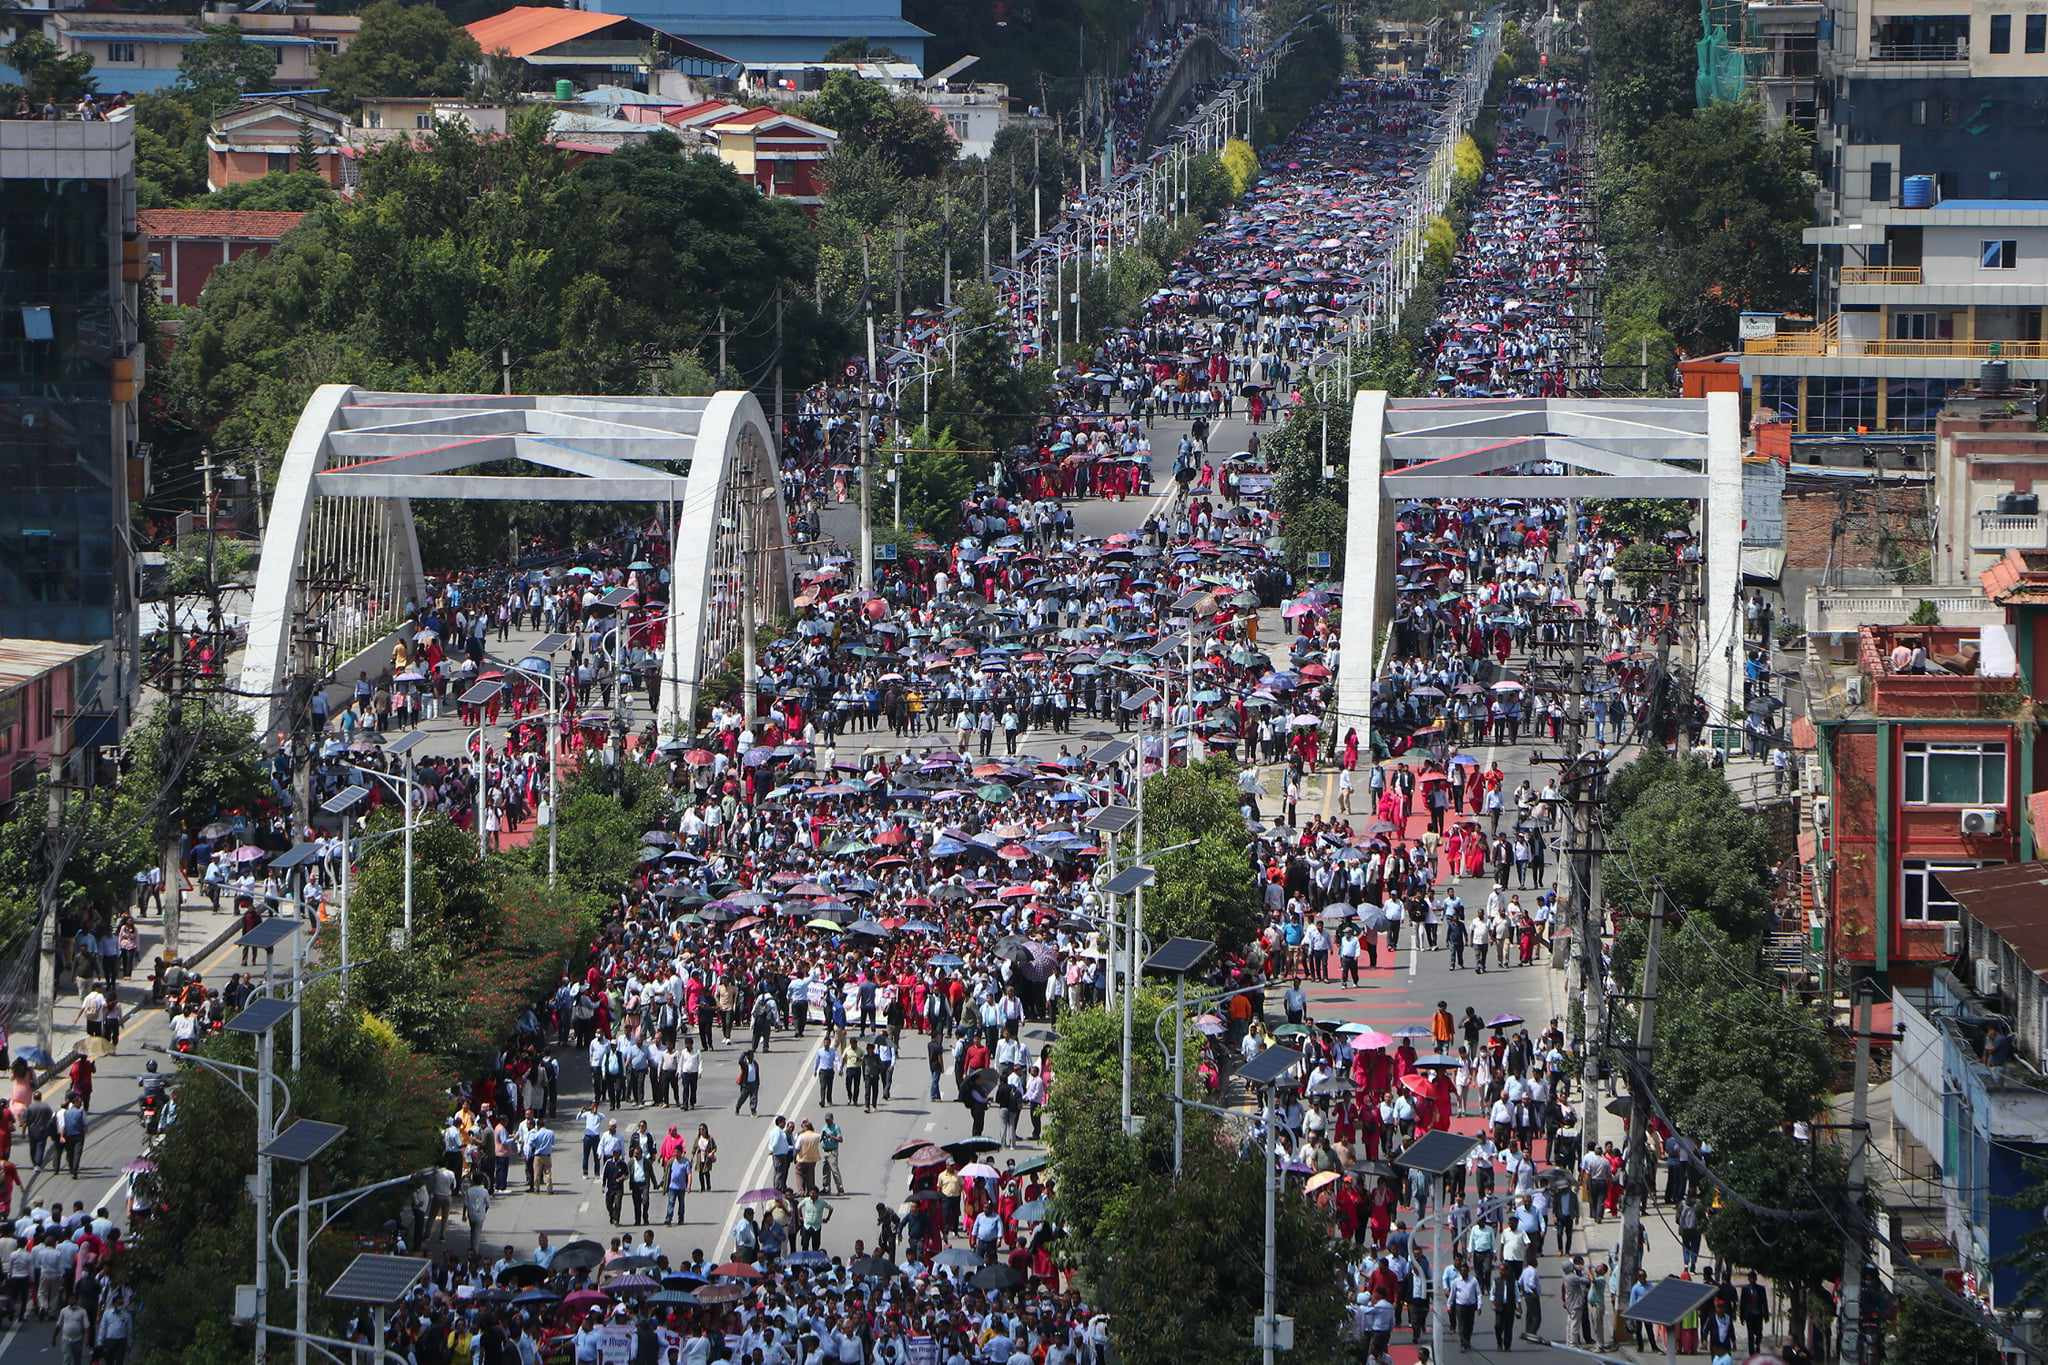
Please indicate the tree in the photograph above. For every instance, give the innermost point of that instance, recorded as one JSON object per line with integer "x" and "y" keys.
{"x": 1930, "y": 1330}
{"x": 453, "y": 914}
{"x": 1208, "y": 891}
{"x": 859, "y": 50}
{"x": 985, "y": 398}
{"x": 1316, "y": 526}
{"x": 48, "y": 74}
{"x": 107, "y": 835}
{"x": 402, "y": 50}
{"x": 170, "y": 148}
{"x": 1713, "y": 856}
{"x": 215, "y": 71}
{"x": 220, "y": 768}
{"x": 864, "y": 186}
{"x": 937, "y": 478}
{"x": 1644, "y": 52}
{"x": 867, "y": 115}
{"x": 1641, "y": 518}
{"x": 295, "y": 191}
{"x": 1211, "y": 188}
{"x": 1241, "y": 164}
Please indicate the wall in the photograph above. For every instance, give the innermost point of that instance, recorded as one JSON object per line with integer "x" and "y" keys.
{"x": 2009, "y": 114}
{"x": 1953, "y": 255}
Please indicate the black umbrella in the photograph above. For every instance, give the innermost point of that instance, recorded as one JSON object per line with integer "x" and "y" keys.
{"x": 906, "y": 1149}
{"x": 872, "y": 1267}
{"x": 985, "y": 1079}
{"x": 997, "y": 1277}
{"x": 525, "y": 1273}
{"x": 973, "y": 1146}
{"x": 578, "y": 1256}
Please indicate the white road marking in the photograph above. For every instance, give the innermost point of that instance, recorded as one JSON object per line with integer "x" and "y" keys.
{"x": 755, "y": 1175}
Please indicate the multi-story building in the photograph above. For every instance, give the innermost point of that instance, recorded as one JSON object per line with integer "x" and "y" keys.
{"x": 134, "y": 54}
{"x": 71, "y": 371}
{"x": 38, "y": 696}
{"x": 1922, "y": 774}
{"x": 1970, "y": 1081}
{"x": 1990, "y": 465}
{"x": 1923, "y": 297}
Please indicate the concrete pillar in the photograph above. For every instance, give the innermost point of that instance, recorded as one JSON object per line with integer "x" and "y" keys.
{"x": 1368, "y": 568}
{"x": 1718, "y": 668}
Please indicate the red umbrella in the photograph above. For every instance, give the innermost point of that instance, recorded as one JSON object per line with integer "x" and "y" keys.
{"x": 737, "y": 1270}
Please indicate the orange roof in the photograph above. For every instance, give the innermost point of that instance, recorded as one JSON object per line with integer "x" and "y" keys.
{"x": 1804, "y": 736}
{"x": 255, "y": 225}
{"x": 526, "y": 29}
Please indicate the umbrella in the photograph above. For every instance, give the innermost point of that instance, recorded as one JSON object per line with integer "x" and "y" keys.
{"x": 1321, "y": 1180}
{"x": 577, "y": 1256}
{"x": 523, "y": 1273}
{"x": 872, "y": 1267}
{"x": 928, "y": 1156}
{"x": 734, "y": 1270}
{"x": 586, "y": 1298}
{"x": 1033, "y": 1212}
{"x": 625, "y": 1265}
{"x": 997, "y": 1277}
{"x": 35, "y": 1056}
{"x": 1411, "y": 1031}
{"x": 1030, "y": 1164}
{"x": 764, "y": 1195}
{"x": 725, "y": 1293}
{"x": 535, "y": 1298}
{"x": 634, "y": 1284}
{"x": 978, "y": 1171}
{"x": 1436, "y": 1064}
{"x": 1504, "y": 1021}
{"x": 807, "y": 1258}
{"x": 670, "y": 1298}
{"x": 973, "y": 1146}
{"x": 908, "y": 1149}
{"x": 956, "y": 1256}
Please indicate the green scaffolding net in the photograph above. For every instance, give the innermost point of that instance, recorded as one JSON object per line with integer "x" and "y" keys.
{"x": 1721, "y": 75}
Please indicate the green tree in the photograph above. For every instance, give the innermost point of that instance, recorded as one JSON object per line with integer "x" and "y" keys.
{"x": 1208, "y": 891}
{"x": 106, "y": 836}
{"x": 937, "y": 478}
{"x": 402, "y": 50}
{"x": 1316, "y": 526}
{"x": 864, "y": 186}
{"x": 1211, "y": 189}
{"x": 867, "y": 115}
{"x": 405, "y": 983}
{"x": 1714, "y": 856}
{"x": 1641, "y": 518}
{"x": 294, "y": 191}
{"x": 1930, "y": 1330}
{"x": 1644, "y": 52}
{"x": 219, "y": 764}
{"x": 1241, "y": 164}
{"x": 170, "y": 148}
{"x": 859, "y": 50}
{"x": 48, "y": 74}
{"x": 985, "y": 398}
{"x": 215, "y": 71}
{"x": 597, "y": 838}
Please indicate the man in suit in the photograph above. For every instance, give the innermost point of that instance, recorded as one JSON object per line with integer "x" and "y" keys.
{"x": 1753, "y": 1306}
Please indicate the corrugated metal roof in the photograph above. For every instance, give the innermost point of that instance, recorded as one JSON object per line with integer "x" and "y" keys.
{"x": 23, "y": 661}
{"x": 2008, "y": 901}
{"x": 526, "y": 29}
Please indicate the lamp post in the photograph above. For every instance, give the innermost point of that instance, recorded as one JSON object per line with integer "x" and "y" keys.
{"x": 405, "y": 784}
{"x": 1176, "y": 958}
{"x": 544, "y": 650}
{"x": 479, "y": 696}
{"x": 343, "y": 804}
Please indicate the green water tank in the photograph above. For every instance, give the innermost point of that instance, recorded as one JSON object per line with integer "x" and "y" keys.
{"x": 565, "y": 90}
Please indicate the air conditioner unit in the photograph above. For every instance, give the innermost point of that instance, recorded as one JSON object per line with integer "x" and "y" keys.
{"x": 1984, "y": 977}
{"x": 1951, "y": 939}
{"x": 1822, "y": 809}
{"x": 1980, "y": 820}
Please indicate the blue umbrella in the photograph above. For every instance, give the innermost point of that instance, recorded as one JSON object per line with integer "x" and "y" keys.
{"x": 948, "y": 960}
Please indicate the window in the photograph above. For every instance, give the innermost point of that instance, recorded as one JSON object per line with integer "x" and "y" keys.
{"x": 1912, "y": 326}
{"x": 785, "y": 172}
{"x": 2037, "y": 33}
{"x": 2001, "y": 254}
{"x": 373, "y": 118}
{"x": 1913, "y": 404}
{"x": 423, "y": 122}
{"x": 1955, "y": 774}
{"x": 281, "y": 163}
{"x": 119, "y": 54}
{"x": 958, "y": 124}
{"x": 1922, "y": 897}
{"x": 1881, "y": 182}
{"x": 1781, "y": 395}
{"x": 2001, "y": 34}
{"x": 1919, "y": 113}
{"x": 1841, "y": 403}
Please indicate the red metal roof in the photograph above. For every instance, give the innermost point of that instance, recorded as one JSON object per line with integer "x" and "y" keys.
{"x": 526, "y": 29}
{"x": 249, "y": 225}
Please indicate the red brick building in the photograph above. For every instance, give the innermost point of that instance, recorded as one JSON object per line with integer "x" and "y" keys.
{"x": 1926, "y": 772}
{"x": 781, "y": 153}
{"x": 188, "y": 245}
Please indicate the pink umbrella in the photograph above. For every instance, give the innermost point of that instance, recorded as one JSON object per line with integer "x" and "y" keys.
{"x": 1370, "y": 1039}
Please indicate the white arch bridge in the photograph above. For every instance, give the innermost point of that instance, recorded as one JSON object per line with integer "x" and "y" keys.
{"x": 341, "y": 561}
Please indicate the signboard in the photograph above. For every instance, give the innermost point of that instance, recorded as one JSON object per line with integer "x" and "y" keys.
{"x": 886, "y": 553}
{"x": 1319, "y": 559}
{"x": 1756, "y": 326}
{"x": 615, "y": 1343}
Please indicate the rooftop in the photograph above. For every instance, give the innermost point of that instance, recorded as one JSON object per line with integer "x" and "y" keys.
{"x": 23, "y": 661}
{"x": 2007, "y": 900}
{"x": 254, "y": 225}
{"x": 2021, "y": 578}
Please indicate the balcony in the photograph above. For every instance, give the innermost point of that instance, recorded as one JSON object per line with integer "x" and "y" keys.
{"x": 1822, "y": 343}
{"x": 1881, "y": 274}
{"x": 1957, "y": 51}
{"x": 2007, "y": 531}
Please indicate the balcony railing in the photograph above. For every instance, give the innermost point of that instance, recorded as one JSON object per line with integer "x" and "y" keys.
{"x": 1880, "y": 274}
{"x": 1957, "y": 51}
{"x": 2010, "y": 531}
{"x": 1817, "y": 344}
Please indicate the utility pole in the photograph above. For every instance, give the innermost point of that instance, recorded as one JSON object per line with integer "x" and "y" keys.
{"x": 1037, "y": 218}
{"x": 1638, "y": 1173}
{"x": 1010, "y": 211}
{"x": 946, "y": 250}
{"x": 778, "y": 370}
{"x": 899, "y": 278}
{"x": 867, "y": 530}
{"x": 46, "y": 946}
{"x": 505, "y": 367}
{"x": 722, "y": 335}
{"x": 750, "y": 506}
{"x": 986, "y": 277}
{"x": 1854, "y": 1349}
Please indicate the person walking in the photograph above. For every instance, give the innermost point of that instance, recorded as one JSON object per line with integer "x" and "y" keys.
{"x": 71, "y": 1134}
{"x": 678, "y": 1189}
{"x": 1464, "y": 1296}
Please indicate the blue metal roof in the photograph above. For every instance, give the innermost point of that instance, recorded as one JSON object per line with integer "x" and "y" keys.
{"x": 805, "y": 25}
{"x": 1995, "y": 205}
{"x": 138, "y": 80}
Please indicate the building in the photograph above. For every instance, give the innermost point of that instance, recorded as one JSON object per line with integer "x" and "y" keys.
{"x": 780, "y": 153}
{"x": 1970, "y": 1086}
{"x": 781, "y": 30}
{"x": 1923, "y": 297}
{"x": 71, "y": 371}
{"x": 1989, "y": 470}
{"x": 185, "y": 246}
{"x": 38, "y": 693}
{"x": 269, "y": 134}
{"x": 1784, "y": 36}
{"x": 974, "y": 114}
{"x": 588, "y": 48}
{"x": 134, "y": 54}
{"x": 1407, "y": 47}
{"x": 1923, "y": 774}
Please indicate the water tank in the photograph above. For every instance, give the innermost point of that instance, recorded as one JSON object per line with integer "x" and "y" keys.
{"x": 1917, "y": 192}
{"x": 565, "y": 90}
{"x": 1991, "y": 376}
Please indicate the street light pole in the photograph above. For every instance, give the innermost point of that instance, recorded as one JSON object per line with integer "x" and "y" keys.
{"x": 347, "y": 845}
{"x": 406, "y": 896}
{"x": 554, "y": 748}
